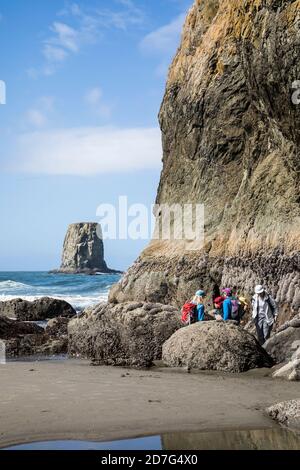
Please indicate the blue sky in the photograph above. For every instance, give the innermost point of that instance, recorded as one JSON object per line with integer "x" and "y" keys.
{"x": 84, "y": 85}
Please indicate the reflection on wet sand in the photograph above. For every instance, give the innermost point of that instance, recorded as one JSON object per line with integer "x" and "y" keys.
{"x": 264, "y": 439}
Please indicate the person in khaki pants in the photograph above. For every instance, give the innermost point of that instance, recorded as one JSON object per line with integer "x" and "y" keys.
{"x": 264, "y": 314}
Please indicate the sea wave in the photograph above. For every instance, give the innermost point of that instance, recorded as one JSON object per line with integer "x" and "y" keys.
{"x": 79, "y": 291}
{"x": 77, "y": 301}
{"x": 4, "y": 285}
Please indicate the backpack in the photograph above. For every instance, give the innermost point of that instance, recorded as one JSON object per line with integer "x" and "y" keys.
{"x": 242, "y": 311}
{"x": 234, "y": 309}
{"x": 188, "y": 314}
{"x": 270, "y": 305}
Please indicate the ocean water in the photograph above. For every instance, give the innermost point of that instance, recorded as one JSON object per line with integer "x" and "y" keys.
{"x": 79, "y": 290}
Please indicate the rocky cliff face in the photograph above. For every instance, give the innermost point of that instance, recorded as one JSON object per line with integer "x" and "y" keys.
{"x": 231, "y": 136}
{"x": 83, "y": 250}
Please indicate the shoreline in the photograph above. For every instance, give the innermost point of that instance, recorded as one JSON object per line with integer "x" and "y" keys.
{"x": 70, "y": 400}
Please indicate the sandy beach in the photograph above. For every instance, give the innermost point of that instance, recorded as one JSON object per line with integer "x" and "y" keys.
{"x": 72, "y": 400}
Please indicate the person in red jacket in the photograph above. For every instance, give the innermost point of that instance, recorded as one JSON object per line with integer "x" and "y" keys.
{"x": 218, "y": 312}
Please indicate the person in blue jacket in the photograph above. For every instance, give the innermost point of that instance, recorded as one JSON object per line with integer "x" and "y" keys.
{"x": 227, "y": 304}
{"x": 198, "y": 300}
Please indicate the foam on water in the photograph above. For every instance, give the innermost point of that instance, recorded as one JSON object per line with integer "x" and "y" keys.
{"x": 80, "y": 291}
{"x": 4, "y": 285}
{"x": 78, "y": 302}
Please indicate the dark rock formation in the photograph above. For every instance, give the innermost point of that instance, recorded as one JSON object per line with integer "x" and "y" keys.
{"x": 83, "y": 250}
{"x": 285, "y": 342}
{"x": 130, "y": 334}
{"x": 29, "y": 339}
{"x": 12, "y": 328}
{"x": 215, "y": 346}
{"x": 38, "y": 310}
{"x": 57, "y": 327}
{"x": 286, "y": 413}
{"x": 36, "y": 345}
{"x": 231, "y": 136}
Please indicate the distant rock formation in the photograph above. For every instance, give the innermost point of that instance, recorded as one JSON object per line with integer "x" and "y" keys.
{"x": 83, "y": 250}
{"x": 231, "y": 140}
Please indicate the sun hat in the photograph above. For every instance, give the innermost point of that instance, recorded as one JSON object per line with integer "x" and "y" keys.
{"x": 259, "y": 289}
{"x": 200, "y": 293}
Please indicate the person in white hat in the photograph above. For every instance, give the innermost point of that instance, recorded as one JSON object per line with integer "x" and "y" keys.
{"x": 265, "y": 312}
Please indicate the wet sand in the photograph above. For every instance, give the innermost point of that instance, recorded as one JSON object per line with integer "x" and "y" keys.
{"x": 43, "y": 401}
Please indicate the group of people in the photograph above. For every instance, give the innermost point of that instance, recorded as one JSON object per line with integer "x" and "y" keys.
{"x": 229, "y": 305}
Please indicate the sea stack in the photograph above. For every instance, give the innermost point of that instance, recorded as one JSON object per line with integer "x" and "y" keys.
{"x": 231, "y": 141}
{"x": 83, "y": 250}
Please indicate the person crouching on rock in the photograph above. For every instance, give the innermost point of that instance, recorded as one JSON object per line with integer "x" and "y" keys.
{"x": 218, "y": 311}
{"x": 198, "y": 300}
{"x": 264, "y": 314}
{"x": 227, "y": 304}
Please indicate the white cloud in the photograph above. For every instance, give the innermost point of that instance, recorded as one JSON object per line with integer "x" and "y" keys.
{"x": 46, "y": 103}
{"x": 94, "y": 99}
{"x": 128, "y": 15}
{"x": 36, "y": 117}
{"x": 66, "y": 40}
{"x": 163, "y": 42}
{"x": 93, "y": 96}
{"x": 33, "y": 73}
{"x": 88, "y": 151}
{"x": 80, "y": 27}
{"x": 66, "y": 37}
{"x": 54, "y": 53}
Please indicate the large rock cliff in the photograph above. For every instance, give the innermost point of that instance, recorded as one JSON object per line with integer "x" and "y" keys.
{"x": 231, "y": 136}
{"x": 83, "y": 250}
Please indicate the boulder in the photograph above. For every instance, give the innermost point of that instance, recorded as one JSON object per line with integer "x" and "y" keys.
{"x": 129, "y": 334}
{"x": 291, "y": 370}
{"x": 29, "y": 339}
{"x": 26, "y": 345}
{"x": 38, "y": 310}
{"x": 286, "y": 413}
{"x": 57, "y": 327}
{"x": 12, "y": 328}
{"x": 36, "y": 345}
{"x": 285, "y": 342}
{"x": 219, "y": 346}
